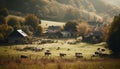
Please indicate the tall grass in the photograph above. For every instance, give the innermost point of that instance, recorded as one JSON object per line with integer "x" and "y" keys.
{"x": 10, "y": 58}
{"x": 61, "y": 63}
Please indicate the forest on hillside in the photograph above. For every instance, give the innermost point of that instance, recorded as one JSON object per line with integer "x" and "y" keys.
{"x": 63, "y": 10}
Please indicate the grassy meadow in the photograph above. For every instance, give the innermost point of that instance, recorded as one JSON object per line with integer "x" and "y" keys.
{"x": 86, "y": 49}
{"x": 10, "y": 58}
{"x": 50, "y": 23}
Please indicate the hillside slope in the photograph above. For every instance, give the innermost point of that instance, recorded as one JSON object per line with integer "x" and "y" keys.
{"x": 62, "y": 10}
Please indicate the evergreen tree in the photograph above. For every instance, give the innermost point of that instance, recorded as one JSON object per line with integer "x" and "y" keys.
{"x": 113, "y": 39}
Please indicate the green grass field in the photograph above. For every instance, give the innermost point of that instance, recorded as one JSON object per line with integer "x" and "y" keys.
{"x": 50, "y": 23}
{"x": 10, "y": 58}
{"x": 86, "y": 49}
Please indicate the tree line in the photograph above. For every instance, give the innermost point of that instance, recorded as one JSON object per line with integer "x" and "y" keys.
{"x": 29, "y": 23}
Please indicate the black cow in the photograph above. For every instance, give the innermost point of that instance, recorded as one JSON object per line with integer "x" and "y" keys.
{"x": 24, "y": 56}
{"x": 62, "y": 54}
{"x": 102, "y": 50}
{"x": 47, "y": 53}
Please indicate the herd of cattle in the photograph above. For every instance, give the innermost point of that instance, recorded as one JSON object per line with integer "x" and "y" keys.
{"x": 45, "y": 41}
{"x": 98, "y": 53}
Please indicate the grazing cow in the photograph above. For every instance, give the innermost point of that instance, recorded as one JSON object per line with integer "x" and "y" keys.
{"x": 24, "y": 56}
{"x": 48, "y": 50}
{"x": 47, "y": 53}
{"x": 102, "y": 50}
{"x": 29, "y": 48}
{"x": 68, "y": 49}
{"x": 98, "y": 52}
{"x": 98, "y": 48}
{"x": 39, "y": 49}
{"x": 104, "y": 55}
{"x": 71, "y": 43}
{"x": 93, "y": 55}
{"x": 19, "y": 49}
{"x": 62, "y": 54}
{"x": 58, "y": 48}
{"x": 78, "y": 55}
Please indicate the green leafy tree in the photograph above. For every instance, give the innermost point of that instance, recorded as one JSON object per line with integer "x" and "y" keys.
{"x": 113, "y": 39}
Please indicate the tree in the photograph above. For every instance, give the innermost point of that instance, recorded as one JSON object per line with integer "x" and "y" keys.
{"x": 5, "y": 30}
{"x": 14, "y": 22}
{"x": 83, "y": 28}
{"x": 2, "y": 20}
{"x": 1, "y": 37}
{"x": 4, "y": 12}
{"x": 26, "y": 29}
{"x": 113, "y": 39}
{"x": 39, "y": 31}
{"x": 105, "y": 30}
{"x": 71, "y": 26}
{"x": 32, "y": 20}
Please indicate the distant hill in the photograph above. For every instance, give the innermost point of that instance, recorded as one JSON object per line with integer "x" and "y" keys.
{"x": 64, "y": 10}
{"x": 114, "y": 2}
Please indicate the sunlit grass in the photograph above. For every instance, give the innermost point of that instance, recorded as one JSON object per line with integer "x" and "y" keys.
{"x": 86, "y": 49}
{"x": 60, "y": 64}
{"x": 39, "y": 61}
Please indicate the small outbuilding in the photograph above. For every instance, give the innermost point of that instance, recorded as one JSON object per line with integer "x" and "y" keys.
{"x": 18, "y": 37}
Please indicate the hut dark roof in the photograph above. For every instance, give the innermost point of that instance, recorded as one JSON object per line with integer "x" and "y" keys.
{"x": 18, "y": 33}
